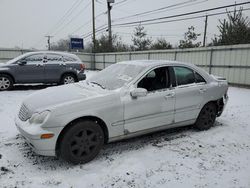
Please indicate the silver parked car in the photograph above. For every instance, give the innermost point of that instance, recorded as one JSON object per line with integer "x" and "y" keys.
{"x": 124, "y": 100}
{"x": 41, "y": 67}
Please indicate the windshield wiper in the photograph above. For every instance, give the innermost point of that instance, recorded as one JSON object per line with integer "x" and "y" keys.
{"x": 98, "y": 84}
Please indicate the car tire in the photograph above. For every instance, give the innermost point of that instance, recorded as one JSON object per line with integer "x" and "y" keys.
{"x": 6, "y": 82}
{"x": 82, "y": 142}
{"x": 68, "y": 79}
{"x": 206, "y": 117}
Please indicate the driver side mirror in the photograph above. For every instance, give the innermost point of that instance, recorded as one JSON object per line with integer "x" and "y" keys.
{"x": 22, "y": 62}
{"x": 138, "y": 92}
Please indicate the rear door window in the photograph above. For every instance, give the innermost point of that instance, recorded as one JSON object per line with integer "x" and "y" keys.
{"x": 184, "y": 76}
{"x": 199, "y": 78}
{"x": 53, "y": 58}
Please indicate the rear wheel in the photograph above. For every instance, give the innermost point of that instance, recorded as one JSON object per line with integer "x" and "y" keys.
{"x": 6, "y": 82}
{"x": 68, "y": 79}
{"x": 82, "y": 142}
{"x": 206, "y": 117}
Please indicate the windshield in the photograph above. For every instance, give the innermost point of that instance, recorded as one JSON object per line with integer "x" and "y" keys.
{"x": 115, "y": 76}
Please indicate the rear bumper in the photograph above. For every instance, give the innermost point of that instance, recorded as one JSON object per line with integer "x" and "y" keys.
{"x": 81, "y": 76}
{"x": 222, "y": 105}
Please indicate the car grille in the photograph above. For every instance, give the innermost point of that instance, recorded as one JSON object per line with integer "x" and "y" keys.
{"x": 24, "y": 113}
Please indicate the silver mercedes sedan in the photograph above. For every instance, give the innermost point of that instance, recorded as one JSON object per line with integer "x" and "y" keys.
{"x": 126, "y": 99}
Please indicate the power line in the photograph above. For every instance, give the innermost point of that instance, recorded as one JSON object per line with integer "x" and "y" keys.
{"x": 67, "y": 14}
{"x": 156, "y": 10}
{"x": 180, "y": 15}
{"x": 89, "y": 21}
{"x": 153, "y": 35}
{"x": 62, "y": 19}
{"x": 181, "y": 19}
{"x": 101, "y": 28}
{"x": 121, "y": 2}
{"x": 58, "y": 31}
{"x": 175, "y": 8}
{"x": 98, "y": 29}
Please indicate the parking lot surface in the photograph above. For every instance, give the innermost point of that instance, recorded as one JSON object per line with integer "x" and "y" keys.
{"x": 219, "y": 157}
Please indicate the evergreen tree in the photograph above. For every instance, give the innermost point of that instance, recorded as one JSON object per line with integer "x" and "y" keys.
{"x": 102, "y": 44}
{"x": 190, "y": 38}
{"x": 233, "y": 30}
{"x": 140, "y": 40}
{"x": 160, "y": 44}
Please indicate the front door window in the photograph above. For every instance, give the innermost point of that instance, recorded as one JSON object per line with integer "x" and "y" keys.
{"x": 157, "y": 79}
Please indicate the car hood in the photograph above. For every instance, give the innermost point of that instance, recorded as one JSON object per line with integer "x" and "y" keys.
{"x": 50, "y": 97}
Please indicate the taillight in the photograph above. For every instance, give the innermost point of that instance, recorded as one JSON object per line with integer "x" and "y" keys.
{"x": 82, "y": 67}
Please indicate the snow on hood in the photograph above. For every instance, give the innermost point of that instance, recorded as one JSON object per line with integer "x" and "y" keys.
{"x": 61, "y": 94}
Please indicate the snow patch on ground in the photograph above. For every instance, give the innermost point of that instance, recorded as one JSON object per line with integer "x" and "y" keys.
{"x": 183, "y": 157}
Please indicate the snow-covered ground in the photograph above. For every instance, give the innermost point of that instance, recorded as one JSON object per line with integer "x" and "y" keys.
{"x": 219, "y": 157}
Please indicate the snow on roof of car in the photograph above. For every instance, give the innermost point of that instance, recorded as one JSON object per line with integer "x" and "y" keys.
{"x": 155, "y": 62}
{"x": 50, "y": 52}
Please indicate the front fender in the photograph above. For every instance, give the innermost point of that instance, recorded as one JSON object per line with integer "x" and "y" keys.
{"x": 109, "y": 109}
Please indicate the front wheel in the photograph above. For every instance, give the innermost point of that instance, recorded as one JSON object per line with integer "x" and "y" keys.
{"x": 206, "y": 117}
{"x": 82, "y": 142}
{"x": 6, "y": 82}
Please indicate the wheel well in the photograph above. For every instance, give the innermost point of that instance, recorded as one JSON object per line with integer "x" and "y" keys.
{"x": 219, "y": 106}
{"x": 69, "y": 73}
{"x": 8, "y": 74}
{"x": 91, "y": 118}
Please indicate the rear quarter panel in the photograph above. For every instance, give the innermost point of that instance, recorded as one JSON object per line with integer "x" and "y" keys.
{"x": 215, "y": 91}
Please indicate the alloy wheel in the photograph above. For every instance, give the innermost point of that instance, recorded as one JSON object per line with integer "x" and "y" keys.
{"x": 69, "y": 80}
{"x": 84, "y": 143}
{"x": 4, "y": 83}
{"x": 206, "y": 117}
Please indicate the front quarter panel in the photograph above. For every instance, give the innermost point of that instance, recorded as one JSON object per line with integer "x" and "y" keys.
{"x": 108, "y": 108}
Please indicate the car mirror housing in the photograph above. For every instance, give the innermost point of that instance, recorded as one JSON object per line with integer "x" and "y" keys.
{"x": 138, "y": 92}
{"x": 22, "y": 62}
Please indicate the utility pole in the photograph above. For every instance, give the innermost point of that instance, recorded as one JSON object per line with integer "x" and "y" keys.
{"x": 49, "y": 37}
{"x": 205, "y": 32}
{"x": 109, "y": 21}
{"x": 93, "y": 22}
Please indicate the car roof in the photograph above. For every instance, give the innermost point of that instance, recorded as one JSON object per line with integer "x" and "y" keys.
{"x": 153, "y": 63}
{"x": 148, "y": 64}
{"x": 50, "y": 52}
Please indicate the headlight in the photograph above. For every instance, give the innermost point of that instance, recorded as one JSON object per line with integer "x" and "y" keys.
{"x": 39, "y": 118}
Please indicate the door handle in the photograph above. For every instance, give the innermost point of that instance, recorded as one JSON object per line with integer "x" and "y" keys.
{"x": 170, "y": 95}
{"x": 202, "y": 90}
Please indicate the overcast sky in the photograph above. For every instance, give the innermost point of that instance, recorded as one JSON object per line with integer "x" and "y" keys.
{"x": 25, "y": 23}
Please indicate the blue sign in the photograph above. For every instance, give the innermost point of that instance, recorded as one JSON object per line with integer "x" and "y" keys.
{"x": 76, "y": 43}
